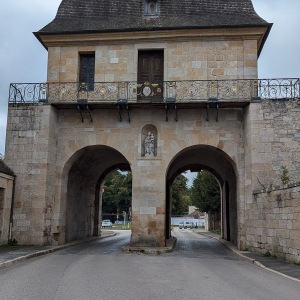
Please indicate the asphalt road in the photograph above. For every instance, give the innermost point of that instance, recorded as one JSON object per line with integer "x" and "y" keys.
{"x": 198, "y": 268}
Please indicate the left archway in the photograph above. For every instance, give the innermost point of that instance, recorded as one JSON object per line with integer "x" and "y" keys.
{"x": 87, "y": 170}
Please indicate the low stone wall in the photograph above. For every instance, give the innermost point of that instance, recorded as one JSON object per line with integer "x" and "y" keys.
{"x": 274, "y": 222}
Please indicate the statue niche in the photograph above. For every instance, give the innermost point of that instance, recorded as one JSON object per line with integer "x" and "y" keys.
{"x": 149, "y": 141}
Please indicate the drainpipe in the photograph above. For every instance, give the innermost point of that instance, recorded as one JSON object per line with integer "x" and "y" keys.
{"x": 12, "y": 209}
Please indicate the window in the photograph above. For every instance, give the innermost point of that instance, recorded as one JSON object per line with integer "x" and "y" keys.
{"x": 151, "y": 8}
{"x": 87, "y": 71}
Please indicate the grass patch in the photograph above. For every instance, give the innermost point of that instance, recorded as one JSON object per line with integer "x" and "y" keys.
{"x": 119, "y": 227}
{"x": 200, "y": 227}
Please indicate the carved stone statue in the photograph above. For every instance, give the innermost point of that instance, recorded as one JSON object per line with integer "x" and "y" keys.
{"x": 149, "y": 144}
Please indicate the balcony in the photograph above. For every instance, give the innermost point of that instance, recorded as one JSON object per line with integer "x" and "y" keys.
{"x": 186, "y": 94}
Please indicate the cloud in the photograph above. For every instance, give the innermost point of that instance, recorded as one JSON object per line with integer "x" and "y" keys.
{"x": 279, "y": 57}
{"x": 3, "y": 121}
{"x": 22, "y": 57}
{"x": 190, "y": 176}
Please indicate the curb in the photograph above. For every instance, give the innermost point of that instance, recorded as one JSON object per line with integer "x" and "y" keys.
{"x": 252, "y": 260}
{"x": 151, "y": 250}
{"x": 48, "y": 251}
{"x": 259, "y": 264}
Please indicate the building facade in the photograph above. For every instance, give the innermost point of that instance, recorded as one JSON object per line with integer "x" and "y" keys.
{"x": 151, "y": 87}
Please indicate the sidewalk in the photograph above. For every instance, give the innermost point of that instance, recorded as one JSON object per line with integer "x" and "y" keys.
{"x": 283, "y": 268}
{"x": 10, "y": 255}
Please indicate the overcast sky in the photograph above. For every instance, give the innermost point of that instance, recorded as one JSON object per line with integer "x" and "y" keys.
{"x": 23, "y": 59}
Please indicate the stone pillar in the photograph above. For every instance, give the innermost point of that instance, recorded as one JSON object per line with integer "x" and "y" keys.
{"x": 31, "y": 154}
{"x": 98, "y": 209}
{"x": 168, "y": 209}
{"x": 148, "y": 204}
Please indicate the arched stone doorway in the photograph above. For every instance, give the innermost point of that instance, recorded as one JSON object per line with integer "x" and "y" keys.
{"x": 216, "y": 161}
{"x": 81, "y": 189}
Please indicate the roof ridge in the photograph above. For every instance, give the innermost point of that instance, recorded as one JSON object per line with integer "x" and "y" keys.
{"x": 5, "y": 169}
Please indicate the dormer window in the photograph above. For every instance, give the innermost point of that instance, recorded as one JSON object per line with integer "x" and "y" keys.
{"x": 151, "y": 8}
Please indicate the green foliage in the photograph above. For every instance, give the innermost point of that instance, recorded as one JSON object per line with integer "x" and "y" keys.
{"x": 122, "y": 226}
{"x": 180, "y": 195}
{"x": 205, "y": 193}
{"x": 117, "y": 194}
{"x": 285, "y": 175}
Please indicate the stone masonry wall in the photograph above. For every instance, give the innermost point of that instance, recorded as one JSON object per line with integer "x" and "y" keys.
{"x": 148, "y": 206}
{"x": 41, "y": 141}
{"x": 272, "y": 136}
{"x": 274, "y": 139}
{"x": 31, "y": 153}
{"x": 188, "y": 60}
{"x": 275, "y": 218}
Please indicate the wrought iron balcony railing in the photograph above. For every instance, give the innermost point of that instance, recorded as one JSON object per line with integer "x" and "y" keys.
{"x": 168, "y": 91}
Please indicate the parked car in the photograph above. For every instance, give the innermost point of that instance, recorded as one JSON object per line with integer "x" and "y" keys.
{"x": 186, "y": 224}
{"x": 106, "y": 223}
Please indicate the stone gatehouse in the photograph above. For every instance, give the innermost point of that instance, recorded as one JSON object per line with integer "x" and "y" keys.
{"x": 138, "y": 86}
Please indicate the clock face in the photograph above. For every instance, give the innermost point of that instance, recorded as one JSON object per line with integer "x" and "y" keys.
{"x": 147, "y": 91}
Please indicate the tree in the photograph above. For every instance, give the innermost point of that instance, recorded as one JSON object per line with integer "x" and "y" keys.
{"x": 117, "y": 194}
{"x": 205, "y": 193}
{"x": 180, "y": 195}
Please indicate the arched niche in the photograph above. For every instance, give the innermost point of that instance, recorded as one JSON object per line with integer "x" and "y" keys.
{"x": 149, "y": 141}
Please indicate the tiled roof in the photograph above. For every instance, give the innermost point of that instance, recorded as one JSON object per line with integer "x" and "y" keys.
{"x": 5, "y": 169}
{"x": 75, "y": 16}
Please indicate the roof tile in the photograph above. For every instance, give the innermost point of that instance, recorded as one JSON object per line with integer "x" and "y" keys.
{"x": 5, "y": 169}
{"x": 75, "y": 16}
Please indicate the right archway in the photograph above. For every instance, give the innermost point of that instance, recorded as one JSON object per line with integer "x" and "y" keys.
{"x": 204, "y": 157}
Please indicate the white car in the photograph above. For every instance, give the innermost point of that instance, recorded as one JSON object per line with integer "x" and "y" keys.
{"x": 106, "y": 223}
{"x": 186, "y": 224}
